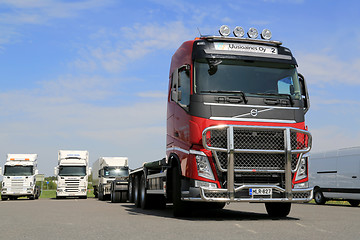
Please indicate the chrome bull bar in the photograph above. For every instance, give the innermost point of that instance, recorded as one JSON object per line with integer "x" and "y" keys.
{"x": 287, "y": 149}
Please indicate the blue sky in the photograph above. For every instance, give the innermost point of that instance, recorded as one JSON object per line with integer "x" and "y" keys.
{"x": 92, "y": 75}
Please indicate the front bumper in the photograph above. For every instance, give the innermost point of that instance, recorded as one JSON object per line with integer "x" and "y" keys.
{"x": 64, "y": 193}
{"x": 241, "y": 194}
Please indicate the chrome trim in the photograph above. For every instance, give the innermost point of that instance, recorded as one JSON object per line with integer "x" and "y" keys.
{"x": 230, "y": 150}
{"x": 252, "y": 120}
{"x": 177, "y": 149}
{"x": 191, "y": 151}
{"x": 250, "y": 106}
{"x": 157, "y": 191}
{"x": 251, "y": 199}
{"x": 251, "y": 54}
{"x": 244, "y": 40}
{"x": 156, "y": 175}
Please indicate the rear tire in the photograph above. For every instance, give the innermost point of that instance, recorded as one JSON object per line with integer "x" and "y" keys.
{"x": 131, "y": 190}
{"x": 115, "y": 197}
{"x": 145, "y": 201}
{"x": 278, "y": 209}
{"x": 123, "y": 196}
{"x": 319, "y": 197}
{"x": 354, "y": 203}
{"x": 137, "y": 191}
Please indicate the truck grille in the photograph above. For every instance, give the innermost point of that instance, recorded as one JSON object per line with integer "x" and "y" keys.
{"x": 255, "y": 148}
{"x": 72, "y": 185}
{"x": 17, "y": 185}
{"x": 257, "y": 161}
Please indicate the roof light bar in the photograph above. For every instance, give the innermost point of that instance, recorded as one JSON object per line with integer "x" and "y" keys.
{"x": 253, "y": 33}
{"x": 224, "y": 31}
{"x": 266, "y": 34}
{"x": 239, "y": 32}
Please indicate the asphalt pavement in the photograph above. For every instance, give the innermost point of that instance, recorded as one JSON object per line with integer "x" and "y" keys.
{"x": 93, "y": 219}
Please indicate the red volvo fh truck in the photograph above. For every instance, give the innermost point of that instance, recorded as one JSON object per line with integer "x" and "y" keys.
{"x": 235, "y": 128}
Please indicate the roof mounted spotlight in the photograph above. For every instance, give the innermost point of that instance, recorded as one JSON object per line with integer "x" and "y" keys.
{"x": 239, "y": 32}
{"x": 253, "y": 33}
{"x": 224, "y": 31}
{"x": 266, "y": 34}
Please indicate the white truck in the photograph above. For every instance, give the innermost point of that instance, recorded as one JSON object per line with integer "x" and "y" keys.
{"x": 19, "y": 177}
{"x": 110, "y": 178}
{"x": 72, "y": 174}
{"x": 335, "y": 175}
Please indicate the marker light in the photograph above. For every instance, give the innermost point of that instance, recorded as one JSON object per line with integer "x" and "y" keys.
{"x": 239, "y": 32}
{"x": 253, "y": 33}
{"x": 266, "y": 34}
{"x": 224, "y": 30}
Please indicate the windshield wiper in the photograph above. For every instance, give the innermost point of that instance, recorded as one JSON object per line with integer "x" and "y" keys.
{"x": 241, "y": 93}
{"x": 279, "y": 95}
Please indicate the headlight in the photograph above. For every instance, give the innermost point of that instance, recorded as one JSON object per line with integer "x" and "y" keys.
{"x": 302, "y": 170}
{"x": 203, "y": 167}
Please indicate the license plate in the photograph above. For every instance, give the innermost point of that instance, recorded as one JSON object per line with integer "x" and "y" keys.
{"x": 260, "y": 191}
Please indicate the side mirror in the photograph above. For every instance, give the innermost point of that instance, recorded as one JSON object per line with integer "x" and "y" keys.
{"x": 304, "y": 93}
{"x": 36, "y": 172}
{"x": 1, "y": 171}
{"x": 174, "y": 85}
{"x": 55, "y": 171}
{"x": 99, "y": 175}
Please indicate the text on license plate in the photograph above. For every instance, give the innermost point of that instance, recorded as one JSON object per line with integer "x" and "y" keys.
{"x": 260, "y": 191}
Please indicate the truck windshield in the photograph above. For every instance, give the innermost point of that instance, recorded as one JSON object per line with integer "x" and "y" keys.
{"x": 72, "y": 171}
{"x": 249, "y": 77}
{"x": 18, "y": 171}
{"x": 116, "y": 172}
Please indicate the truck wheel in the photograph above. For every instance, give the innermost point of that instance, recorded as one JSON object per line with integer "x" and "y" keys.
{"x": 32, "y": 197}
{"x": 144, "y": 197}
{"x": 131, "y": 190}
{"x": 278, "y": 209}
{"x": 180, "y": 207}
{"x": 115, "y": 197}
{"x": 354, "y": 203}
{"x": 101, "y": 194}
{"x": 123, "y": 196}
{"x": 4, "y": 198}
{"x": 319, "y": 197}
{"x": 136, "y": 191}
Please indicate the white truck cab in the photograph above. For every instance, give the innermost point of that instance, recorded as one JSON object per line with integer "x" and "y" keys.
{"x": 105, "y": 172}
{"x": 19, "y": 177}
{"x": 72, "y": 174}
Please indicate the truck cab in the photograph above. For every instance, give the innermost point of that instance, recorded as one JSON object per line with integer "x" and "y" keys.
{"x": 19, "y": 177}
{"x": 72, "y": 174}
{"x": 110, "y": 178}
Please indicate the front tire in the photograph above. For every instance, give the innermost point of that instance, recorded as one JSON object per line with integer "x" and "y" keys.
{"x": 319, "y": 197}
{"x": 180, "y": 207}
{"x": 278, "y": 209}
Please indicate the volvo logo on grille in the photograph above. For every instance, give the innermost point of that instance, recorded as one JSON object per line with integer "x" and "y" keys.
{"x": 254, "y": 112}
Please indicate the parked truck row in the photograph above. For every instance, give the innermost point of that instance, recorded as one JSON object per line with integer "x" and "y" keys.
{"x": 72, "y": 173}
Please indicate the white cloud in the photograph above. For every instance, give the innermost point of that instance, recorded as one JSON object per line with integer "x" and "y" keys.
{"x": 40, "y": 11}
{"x": 43, "y": 122}
{"x": 323, "y": 68}
{"x": 334, "y": 137}
{"x": 114, "y": 51}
